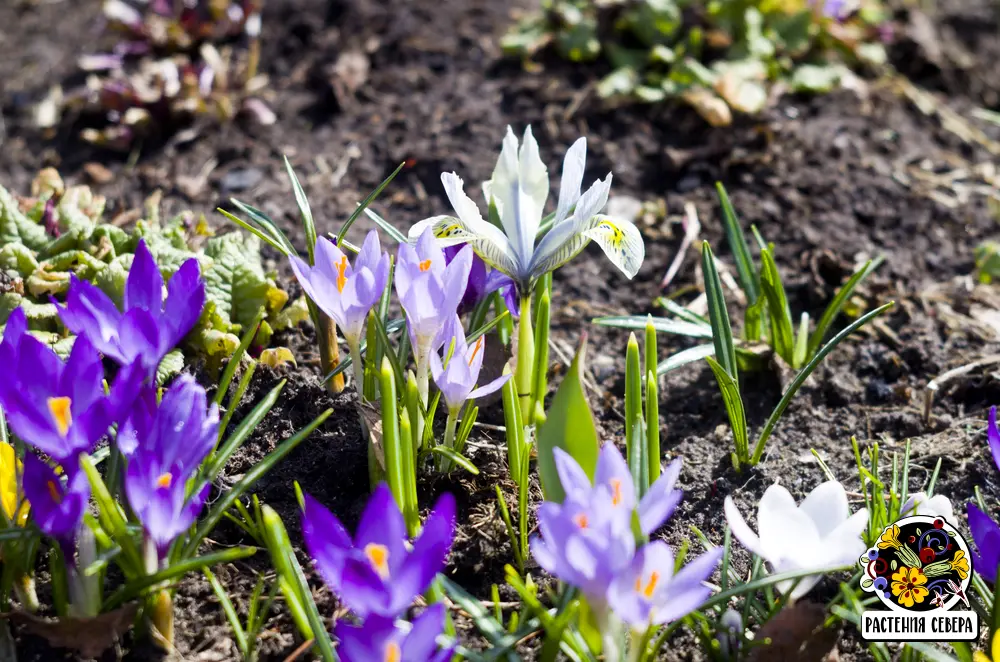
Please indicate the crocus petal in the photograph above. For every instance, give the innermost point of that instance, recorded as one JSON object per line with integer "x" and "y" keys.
{"x": 370, "y": 253}
{"x": 326, "y": 541}
{"x": 430, "y": 551}
{"x": 740, "y": 529}
{"x": 993, "y": 436}
{"x": 185, "y": 300}
{"x": 456, "y": 278}
{"x": 89, "y": 312}
{"x": 364, "y": 591}
{"x": 986, "y": 535}
{"x": 785, "y": 530}
{"x": 144, "y": 286}
{"x": 826, "y": 506}
{"x": 686, "y": 590}
{"x": 382, "y": 524}
{"x": 844, "y": 545}
{"x": 491, "y": 387}
{"x": 421, "y": 642}
{"x": 571, "y": 476}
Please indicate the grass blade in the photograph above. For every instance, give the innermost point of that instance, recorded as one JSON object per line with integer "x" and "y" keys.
{"x": 305, "y": 211}
{"x": 239, "y": 634}
{"x": 175, "y": 571}
{"x": 681, "y": 312}
{"x": 803, "y": 374}
{"x": 722, "y": 331}
{"x": 734, "y": 408}
{"x": 367, "y": 201}
{"x": 457, "y": 458}
{"x": 278, "y": 239}
{"x": 684, "y": 357}
{"x": 661, "y": 324}
{"x": 801, "y": 342}
{"x": 236, "y": 358}
{"x": 243, "y": 430}
{"x": 840, "y": 299}
{"x": 782, "y": 335}
{"x": 749, "y": 279}
{"x": 386, "y": 227}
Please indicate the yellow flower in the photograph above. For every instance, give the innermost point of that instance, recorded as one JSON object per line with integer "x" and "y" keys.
{"x": 908, "y": 586}
{"x": 960, "y": 564}
{"x": 979, "y": 656}
{"x": 10, "y": 470}
{"x": 890, "y": 538}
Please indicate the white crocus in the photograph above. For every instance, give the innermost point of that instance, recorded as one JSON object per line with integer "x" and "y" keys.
{"x": 935, "y": 506}
{"x": 819, "y": 534}
{"x": 516, "y": 196}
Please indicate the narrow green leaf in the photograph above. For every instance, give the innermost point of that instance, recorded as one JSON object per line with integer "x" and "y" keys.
{"x": 366, "y": 202}
{"x": 681, "y": 312}
{"x": 487, "y": 327}
{"x": 243, "y": 431}
{"x": 749, "y": 279}
{"x": 803, "y": 374}
{"x": 135, "y": 587}
{"x": 111, "y": 517}
{"x": 276, "y": 237}
{"x": 801, "y": 342}
{"x": 836, "y": 305}
{"x": 390, "y": 353}
{"x": 684, "y": 357}
{"x": 734, "y": 408}
{"x": 257, "y": 232}
{"x": 633, "y": 404}
{"x": 387, "y": 227}
{"x": 570, "y": 426}
{"x": 239, "y": 634}
{"x": 722, "y": 330}
{"x": 514, "y": 427}
{"x": 249, "y": 479}
{"x": 305, "y": 211}
{"x": 236, "y": 358}
{"x": 541, "y": 370}
{"x": 782, "y": 335}
{"x": 652, "y": 426}
{"x": 457, "y": 458}
{"x": 234, "y": 402}
{"x": 661, "y": 324}
{"x": 509, "y": 525}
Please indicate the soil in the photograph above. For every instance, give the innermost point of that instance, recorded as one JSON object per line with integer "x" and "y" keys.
{"x": 832, "y": 181}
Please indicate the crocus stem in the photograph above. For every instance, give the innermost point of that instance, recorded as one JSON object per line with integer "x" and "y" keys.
{"x": 357, "y": 367}
{"x": 637, "y": 646}
{"x": 329, "y": 352}
{"x": 24, "y": 587}
{"x": 525, "y": 360}
{"x": 423, "y": 389}
{"x": 162, "y": 619}
{"x": 444, "y": 464}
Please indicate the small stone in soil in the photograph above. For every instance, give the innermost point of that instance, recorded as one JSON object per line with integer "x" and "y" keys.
{"x": 240, "y": 179}
{"x": 878, "y": 392}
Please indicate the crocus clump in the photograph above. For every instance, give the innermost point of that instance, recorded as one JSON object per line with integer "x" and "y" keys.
{"x": 58, "y": 503}
{"x": 588, "y": 541}
{"x": 820, "y": 533}
{"x": 458, "y": 375}
{"x": 375, "y": 573}
{"x": 147, "y": 327}
{"x": 986, "y": 534}
{"x": 170, "y": 441}
{"x": 516, "y": 194}
{"x": 344, "y": 291}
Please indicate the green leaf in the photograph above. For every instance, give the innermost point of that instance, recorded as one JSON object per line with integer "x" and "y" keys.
{"x": 235, "y": 279}
{"x": 685, "y": 357}
{"x": 734, "y": 408}
{"x": 634, "y": 444}
{"x": 661, "y": 324}
{"x": 169, "y": 367}
{"x": 816, "y": 78}
{"x": 457, "y": 458}
{"x": 569, "y": 425}
{"x": 745, "y": 269}
{"x": 15, "y": 227}
{"x": 840, "y": 299}
{"x": 242, "y": 432}
{"x": 305, "y": 211}
{"x": 722, "y": 331}
{"x": 803, "y": 374}
{"x": 366, "y": 203}
{"x": 386, "y": 227}
{"x": 782, "y": 335}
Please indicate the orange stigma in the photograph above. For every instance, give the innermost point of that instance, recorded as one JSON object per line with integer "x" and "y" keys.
{"x": 54, "y": 491}
{"x": 392, "y": 652}
{"x": 165, "y": 480}
{"x": 425, "y": 265}
{"x": 581, "y": 521}
{"x": 475, "y": 350}
{"x": 378, "y": 556}
{"x": 341, "y": 278}
{"x": 650, "y": 587}
{"x": 60, "y": 410}
{"x": 616, "y": 495}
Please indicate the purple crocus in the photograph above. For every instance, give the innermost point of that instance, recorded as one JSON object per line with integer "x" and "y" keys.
{"x": 992, "y": 436}
{"x": 457, "y": 379}
{"x": 483, "y": 281}
{"x": 430, "y": 290}
{"x": 588, "y": 538}
{"x": 146, "y": 328}
{"x": 376, "y": 574}
{"x": 343, "y": 291}
{"x": 57, "y": 407}
{"x": 986, "y": 534}
{"x": 170, "y": 443}
{"x": 57, "y": 504}
{"x": 835, "y": 9}
{"x": 649, "y": 593}
{"x": 379, "y": 639}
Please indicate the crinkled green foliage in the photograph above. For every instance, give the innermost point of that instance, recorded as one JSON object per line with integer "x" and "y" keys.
{"x": 718, "y": 56}
{"x": 59, "y": 232}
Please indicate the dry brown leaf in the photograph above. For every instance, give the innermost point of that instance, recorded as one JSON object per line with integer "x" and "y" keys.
{"x": 797, "y": 634}
{"x": 88, "y": 636}
{"x": 712, "y": 108}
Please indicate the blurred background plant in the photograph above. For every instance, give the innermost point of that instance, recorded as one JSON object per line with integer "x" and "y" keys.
{"x": 169, "y": 64}
{"x": 719, "y": 56}
{"x": 58, "y": 232}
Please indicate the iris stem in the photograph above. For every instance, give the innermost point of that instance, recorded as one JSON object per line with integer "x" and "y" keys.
{"x": 444, "y": 464}
{"x": 523, "y": 377}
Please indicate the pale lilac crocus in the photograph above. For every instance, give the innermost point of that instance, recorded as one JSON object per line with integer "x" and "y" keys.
{"x": 457, "y": 378}
{"x": 379, "y": 639}
{"x": 343, "y": 291}
{"x": 588, "y": 538}
{"x": 993, "y": 436}
{"x": 649, "y": 593}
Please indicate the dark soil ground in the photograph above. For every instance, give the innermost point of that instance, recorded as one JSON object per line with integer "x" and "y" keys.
{"x": 832, "y": 181}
